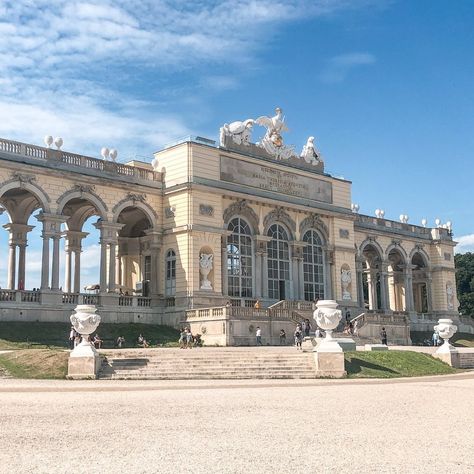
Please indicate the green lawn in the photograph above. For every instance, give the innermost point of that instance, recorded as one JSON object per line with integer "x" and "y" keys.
{"x": 391, "y": 364}
{"x": 35, "y": 363}
{"x": 36, "y": 335}
{"x": 459, "y": 339}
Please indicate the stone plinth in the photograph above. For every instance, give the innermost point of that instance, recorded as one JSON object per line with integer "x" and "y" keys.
{"x": 450, "y": 357}
{"x": 84, "y": 362}
{"x": 376, "y": 347}
{"x": 307, "y": 344}
{"x": 329, "y": 364}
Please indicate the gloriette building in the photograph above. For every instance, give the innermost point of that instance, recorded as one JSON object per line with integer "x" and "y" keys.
{"x": 205, "y": 230}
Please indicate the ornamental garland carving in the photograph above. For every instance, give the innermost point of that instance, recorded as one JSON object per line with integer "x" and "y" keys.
{"x": 23, "y": 178}
{"x": 241, "y": 208}
{"x": 279, "y": 215}
{"x": 136, "y": 197}
{"x": 84, "y": 188}
{"x": 206, "y": 210}
{"x": 314, "y": 222}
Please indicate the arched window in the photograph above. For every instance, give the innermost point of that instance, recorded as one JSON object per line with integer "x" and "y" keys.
{"x": 278, "y": 262}
{"x": 313, "y": 266}
{"x": 170, "y": 289}
{"x": 239, "y": 259}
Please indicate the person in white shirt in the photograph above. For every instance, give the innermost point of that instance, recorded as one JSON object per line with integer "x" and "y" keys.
{"x": 258, "y": 335}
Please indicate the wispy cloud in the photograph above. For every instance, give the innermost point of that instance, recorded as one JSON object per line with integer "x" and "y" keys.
{"x": 465, "y": 244}
{"x": 338, "y": 67}
{"x": 80, "y": 69}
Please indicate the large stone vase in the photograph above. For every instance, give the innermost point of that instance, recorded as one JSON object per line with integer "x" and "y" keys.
{"x": 327, "y": 316}
{"x": 446, "y": 329}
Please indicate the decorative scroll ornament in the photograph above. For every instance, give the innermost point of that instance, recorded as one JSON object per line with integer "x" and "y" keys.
{"x": 84, "y": 188}
{"x": 23, "y": 178}
{"x": 205, "y": 266}
{"x": 136, "y": 197}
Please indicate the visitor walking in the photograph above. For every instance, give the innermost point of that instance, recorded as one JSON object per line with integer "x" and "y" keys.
{"x": 258, "y": 335}
{"x": 355, "y": 328}
{"x": 435, "y": 338}
{"x": 383, "y": 336}
{"x": 307, "y": 328}
{"x": 182, "y": 338}
{"x": 282, "y": 337}
{"x": 298, "y": 337}
{"x": 189, "y": 338}
{"x": 119, "y": 342}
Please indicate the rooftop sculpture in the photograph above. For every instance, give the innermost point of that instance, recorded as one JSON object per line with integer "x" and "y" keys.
{"x": 237, "y": 135}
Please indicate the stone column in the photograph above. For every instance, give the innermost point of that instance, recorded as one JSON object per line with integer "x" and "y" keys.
{"x": 429, "y": 293}
{"x": 103, "y": 265}
{"x": 68, "y": 271}
{"x": 328, "y": 291}
{"x": 258, "y": 275}
{"x": 112, "y": 260}
{"x": 384, "y": 297}
{"x": 21, "y": 266}
{"x": 225, "y": 290}
{"x": 264, "y": 275}
{"x": 77, "y": 270}
{"x": 118, "y": 268}
{"x": 360, "y": 284}
{"x": 372, "y": 281}
{"x": 55, "y": 264}
{"x": 45, "y": 262}
{"x": 11, "y": 266}
{"x": 301, "y": 277}
{"x": 409, "y": 303}
{"x": 296, "y": 277}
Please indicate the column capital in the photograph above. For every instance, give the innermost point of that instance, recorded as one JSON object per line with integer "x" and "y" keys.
{"x": 18, "y": 233}
{"x": 108, "y": 231}
{"x": 51, "y": 223}
{"x": 74, "y": 240}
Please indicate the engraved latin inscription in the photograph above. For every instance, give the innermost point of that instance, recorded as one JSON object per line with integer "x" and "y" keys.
{"x": 270, "y": 179}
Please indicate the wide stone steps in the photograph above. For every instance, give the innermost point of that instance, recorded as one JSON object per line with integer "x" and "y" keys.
{"x": 207, "y": 364}
{"x": 466, "y": 360}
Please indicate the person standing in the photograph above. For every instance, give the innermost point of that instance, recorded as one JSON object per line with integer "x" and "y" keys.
{"x": 189, "y": 339}
{"x": 356, "y": 331}
{"x": 435, "y": 338}
{"x": 282, "y": 337}
{"x": 298, "y": 337}
{"x": 383, "y": 336}
{"x": 258, "y": 335}
{"x": 72, "y": 337}
{"x": 307, "y": 328}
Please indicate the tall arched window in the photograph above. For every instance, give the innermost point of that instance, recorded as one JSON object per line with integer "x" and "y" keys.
{"x": 278, "y": 262}
{"x": 313, "y": 266}
{"x": 239, "y": 259}
{"x": 170, "y": 281}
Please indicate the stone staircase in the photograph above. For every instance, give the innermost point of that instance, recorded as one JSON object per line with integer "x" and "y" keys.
{"x": 466, "y": 360}
{"x": 208, "y": 363}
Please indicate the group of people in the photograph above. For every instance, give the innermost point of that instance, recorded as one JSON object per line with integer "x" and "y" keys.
{"x": 187, "y": 340}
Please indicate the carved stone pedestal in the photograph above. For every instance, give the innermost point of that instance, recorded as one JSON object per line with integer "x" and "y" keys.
{"x": 329, "y": 364}
{"x": 84, "y": 362}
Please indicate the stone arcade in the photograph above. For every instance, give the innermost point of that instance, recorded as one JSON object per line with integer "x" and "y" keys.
{"x": 205, "y": 225}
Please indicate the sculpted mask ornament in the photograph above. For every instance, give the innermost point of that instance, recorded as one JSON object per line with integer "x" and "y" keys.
{"x": 205, "y": 267}
{"x": 346, "y": 280}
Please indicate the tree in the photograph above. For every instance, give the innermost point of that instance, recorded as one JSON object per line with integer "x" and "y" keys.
{"x": 464, "y": 264}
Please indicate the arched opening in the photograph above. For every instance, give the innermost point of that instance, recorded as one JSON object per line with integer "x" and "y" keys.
{"x": 313, "y": 266}
{"x": 239, "y": 259}
{"x": 420, "y": 274}
{"x": 278, "y": 250}
{"x": 21, "y": 265}
{"x": 80, "y": 245}
{"x": 396, "y": 281}
{"x": 372, "y": 261}
{"x": 133, "y": 267}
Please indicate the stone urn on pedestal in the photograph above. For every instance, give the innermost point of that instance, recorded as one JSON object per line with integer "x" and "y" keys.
{"x": 446, "y": 329}
{"x": 328, "y": 355}
{"x": 84, "y": 361}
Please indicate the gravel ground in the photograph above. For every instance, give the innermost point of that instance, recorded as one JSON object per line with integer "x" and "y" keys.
{"x": 416, "y": 425}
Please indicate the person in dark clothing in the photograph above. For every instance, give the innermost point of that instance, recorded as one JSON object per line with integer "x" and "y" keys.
{"x": 383, "y": 336}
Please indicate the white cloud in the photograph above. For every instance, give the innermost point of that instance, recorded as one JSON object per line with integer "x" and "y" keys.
{"x": 339, "y": 67}
{"x": 465, "y": 244}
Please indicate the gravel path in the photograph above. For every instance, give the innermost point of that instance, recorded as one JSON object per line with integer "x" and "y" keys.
{"x": 422, "y": 425}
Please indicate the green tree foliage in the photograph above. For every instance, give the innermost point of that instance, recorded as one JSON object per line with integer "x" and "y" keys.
{"x": 465, "y": 282}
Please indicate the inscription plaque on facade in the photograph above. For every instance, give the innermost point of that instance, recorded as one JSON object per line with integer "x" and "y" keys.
{"x": 271, "y": 179}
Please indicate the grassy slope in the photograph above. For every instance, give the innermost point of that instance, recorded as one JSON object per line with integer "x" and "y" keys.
{"x": 35, "y": 364}
{"x": 459, "y": 339}
{"x": 22, "y": 335}
{"x": 390, "y": 364}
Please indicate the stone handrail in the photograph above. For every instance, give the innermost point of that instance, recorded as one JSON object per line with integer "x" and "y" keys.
{"x": 72, "y": 159}
{"x": 70, "y": 298}
{"x": 30, "y": 296}
{"x": 7, "y": 295}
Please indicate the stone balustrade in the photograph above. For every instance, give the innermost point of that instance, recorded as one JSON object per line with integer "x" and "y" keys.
{"x": 74, "y": 160}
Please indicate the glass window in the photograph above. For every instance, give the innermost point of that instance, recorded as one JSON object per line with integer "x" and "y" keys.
{"x": 170, "y": 280}
{"x": 313, "y": 268}
{"x": 239, "y": 259}
{"x": 278, "y": 262}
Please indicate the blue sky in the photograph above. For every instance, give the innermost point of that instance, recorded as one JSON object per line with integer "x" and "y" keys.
{"x": 386, "y": 87}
